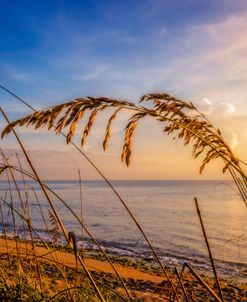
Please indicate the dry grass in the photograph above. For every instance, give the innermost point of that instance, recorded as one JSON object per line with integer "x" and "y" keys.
{"x": 181, "y": 119}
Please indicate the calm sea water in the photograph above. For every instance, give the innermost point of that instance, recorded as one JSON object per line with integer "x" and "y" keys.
{"x": 165, "y": 210}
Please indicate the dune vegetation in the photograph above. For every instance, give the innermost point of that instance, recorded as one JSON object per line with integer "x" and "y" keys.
{"x": 39, "y": 270}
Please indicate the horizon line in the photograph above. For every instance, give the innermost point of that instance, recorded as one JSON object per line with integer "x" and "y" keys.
{"x": 61, "y": 180}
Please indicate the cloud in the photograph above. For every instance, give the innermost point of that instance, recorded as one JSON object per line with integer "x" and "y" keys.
{"x": 218, "y": 61}
{"x": 205, "y": 106}
{"x": 94, "y": 74}
{"x": 196, "y": 60}
{"x": 15, "y": 73}
{"x": 213, "y": 109}
{"x": 205, "y": 63}
{"x": 224, "y": 116}
{"x": 229, "y": 108}
{"x": 234, "y": 141}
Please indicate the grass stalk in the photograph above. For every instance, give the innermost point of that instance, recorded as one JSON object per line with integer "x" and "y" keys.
{"x": 205, "y": 285}
{"x": 242, "y": 187}
{"x": 109, "y": 184}
{"x": 209, "y": 250}
{"x": 84, "y": 227}
{"x": 53, "y": 207}
{"x": 4, "y": 231}
{"x": 50, "y": 252}
{"x": 180, "y": 283}
{"x": 166, "y": 109}
{"x": 81, "y": 205}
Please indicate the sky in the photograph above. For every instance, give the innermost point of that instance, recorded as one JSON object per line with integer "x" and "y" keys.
{"x": 55, "y": 51}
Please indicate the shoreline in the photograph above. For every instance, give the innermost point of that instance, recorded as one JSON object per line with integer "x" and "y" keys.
{"x": 137, "y": 262}
{"x": 141, "y": 280}
{"x": 69, "y": 258}
{"x": 142, "y": 262}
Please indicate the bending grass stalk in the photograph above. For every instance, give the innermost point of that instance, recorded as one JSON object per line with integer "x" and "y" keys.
{"x": 53, "y": 208}
{"x": 209, "y": 250}
{"x": 243, "y": 175}
{"x": 46, "y": 227}
{"x": 12, "y": 212}
{"x": 58, "y": 264}
{"x": 15, "y": 96}
{"x": 83, "y": 225}
{"x": 99, "y": 104}
{"x": 111, "y": 187}
{"x": 15, "y": 230}
{"x": 229, "y": 158}
{"x": 103, "y": 103}
{"x": 32, "y": 253}
{"x": 242, "y": 188}
{"x": 23, "y": 209}
{"x": 128, "y": 211}
{"x": 16, "y": 186}
{"x": 25, "y": 204}
{"x": 162, "y": 118}
{"x": 77, "y": 218}
{"x": 50, "y": 252}
{"x": 29, "y": 222}
{"x": 4, "y": 230}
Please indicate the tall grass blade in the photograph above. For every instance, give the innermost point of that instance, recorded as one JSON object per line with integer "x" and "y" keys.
{"x": 53, "y": 208}
{"x": 209, "y": 250}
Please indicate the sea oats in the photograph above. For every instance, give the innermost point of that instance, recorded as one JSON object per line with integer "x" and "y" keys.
{"x": 183, "y": 120}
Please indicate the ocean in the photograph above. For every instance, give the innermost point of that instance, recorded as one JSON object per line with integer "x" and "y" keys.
{"x": 165, "y": 210}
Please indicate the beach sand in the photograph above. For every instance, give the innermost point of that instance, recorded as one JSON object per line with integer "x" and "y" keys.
{"x": 146, "y": 284}
{"x": 69, "y": 260}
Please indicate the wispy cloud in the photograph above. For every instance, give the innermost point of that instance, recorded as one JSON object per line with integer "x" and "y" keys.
{"x": 15, "y": 73}
{"x": 201, "y": 60}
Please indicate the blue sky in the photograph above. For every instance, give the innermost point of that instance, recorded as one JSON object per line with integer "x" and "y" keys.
{"x": 52, "y": 51}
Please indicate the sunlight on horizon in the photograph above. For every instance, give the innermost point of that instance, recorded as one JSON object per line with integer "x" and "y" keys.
{"x": 60, "y": 54}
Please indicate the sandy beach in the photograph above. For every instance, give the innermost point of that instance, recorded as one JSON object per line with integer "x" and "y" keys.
{"x": 146, "y": 284}
{"x": 69, "y": 260}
